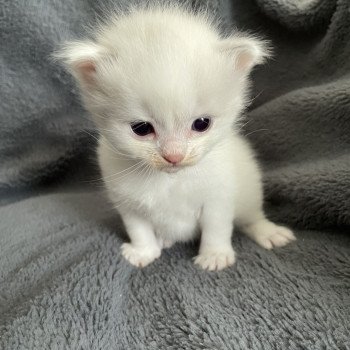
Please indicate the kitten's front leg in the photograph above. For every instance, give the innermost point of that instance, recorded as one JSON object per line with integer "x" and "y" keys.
{"x": 215, "y": 251}
{"x": 143, "y": 248}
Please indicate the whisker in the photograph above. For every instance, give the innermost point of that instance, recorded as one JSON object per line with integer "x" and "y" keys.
{"x": 123, "y": 171}
{"x": 242, "y": 126}
{"x": 109, "y": 145}
{"x": 118, "y": 178}
{"x": 252, "y": 132}
{"x": 252, "y": 99}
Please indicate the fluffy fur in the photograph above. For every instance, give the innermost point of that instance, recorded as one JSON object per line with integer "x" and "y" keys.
{"x": 168, "y": 66}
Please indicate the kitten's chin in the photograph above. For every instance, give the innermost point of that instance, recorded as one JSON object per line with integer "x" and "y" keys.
{"x": 170, "y": 169}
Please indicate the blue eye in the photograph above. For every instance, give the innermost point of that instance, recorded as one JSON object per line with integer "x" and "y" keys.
{"x": 142, "y": 128}
{"x": 201, "y": 124}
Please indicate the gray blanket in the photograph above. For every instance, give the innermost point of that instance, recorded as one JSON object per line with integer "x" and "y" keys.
{"x": 63, "y": 283}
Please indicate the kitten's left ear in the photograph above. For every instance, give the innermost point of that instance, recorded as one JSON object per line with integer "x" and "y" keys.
{"x": 246, "y": 51}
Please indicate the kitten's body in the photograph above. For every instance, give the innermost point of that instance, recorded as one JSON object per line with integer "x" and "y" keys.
{"x": 168, "y": 70}
{"x": 173, "y": 202}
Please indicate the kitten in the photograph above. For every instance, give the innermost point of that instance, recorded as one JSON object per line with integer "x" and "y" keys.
{"x": 166, "y": 92}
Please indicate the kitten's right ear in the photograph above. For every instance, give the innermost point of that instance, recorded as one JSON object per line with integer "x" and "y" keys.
{"x": 81, "y": 58}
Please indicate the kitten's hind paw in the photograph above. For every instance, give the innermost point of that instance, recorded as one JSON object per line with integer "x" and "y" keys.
{"x": 140, "y": 256}
{"x": 215, "y": 260}
{"x": 269, "y": 235}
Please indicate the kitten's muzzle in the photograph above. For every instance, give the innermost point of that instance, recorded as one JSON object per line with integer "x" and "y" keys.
{"x": 173, "y": 151}
{"x": 173, "y": 158}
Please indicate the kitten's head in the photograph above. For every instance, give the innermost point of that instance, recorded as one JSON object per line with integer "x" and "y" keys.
{"x": 162, "y": 85}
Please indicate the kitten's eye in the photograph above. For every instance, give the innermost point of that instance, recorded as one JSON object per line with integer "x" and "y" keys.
{"x": 142, "y": 128}
{"x": 201, "y": 124}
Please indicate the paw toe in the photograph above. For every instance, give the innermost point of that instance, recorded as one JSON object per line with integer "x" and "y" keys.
{"x": 269, "y": 235}
{"x": 279, "y": 237}
{"x": 215, "y": 260}
{"x": 140, "y": 256}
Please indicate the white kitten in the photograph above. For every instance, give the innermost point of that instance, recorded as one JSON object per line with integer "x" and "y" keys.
{"x": 166, "y": 92}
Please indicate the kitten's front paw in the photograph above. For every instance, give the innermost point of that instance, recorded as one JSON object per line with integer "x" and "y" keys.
{"x": 140, "y": 256}
{"x": 269, "y": 235}
{"x": 215, "y": 260}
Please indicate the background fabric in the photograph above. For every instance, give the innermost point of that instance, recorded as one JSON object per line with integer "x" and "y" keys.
{"x": 63, "y": 283}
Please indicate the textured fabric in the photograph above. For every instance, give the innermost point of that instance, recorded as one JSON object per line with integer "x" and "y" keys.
{"x": 63, "y": 283}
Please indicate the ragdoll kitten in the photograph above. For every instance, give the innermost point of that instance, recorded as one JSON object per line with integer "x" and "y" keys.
{"x": 166, "y": 93}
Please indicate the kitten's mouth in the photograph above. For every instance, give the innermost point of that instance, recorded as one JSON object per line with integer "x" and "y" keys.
{"x": 172, "y": 169}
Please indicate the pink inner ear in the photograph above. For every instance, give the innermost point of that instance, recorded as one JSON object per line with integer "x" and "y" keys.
{"x": 244, "y": 60}
{"x": 87, "y": 70}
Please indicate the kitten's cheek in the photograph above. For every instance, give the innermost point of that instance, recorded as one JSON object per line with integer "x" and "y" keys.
{"x": 157, "y": 162}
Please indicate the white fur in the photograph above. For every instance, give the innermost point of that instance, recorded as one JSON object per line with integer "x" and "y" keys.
{"x": 168, "y": 67}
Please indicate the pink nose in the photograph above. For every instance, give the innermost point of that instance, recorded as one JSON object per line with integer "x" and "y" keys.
{"x": 174, "y": 158}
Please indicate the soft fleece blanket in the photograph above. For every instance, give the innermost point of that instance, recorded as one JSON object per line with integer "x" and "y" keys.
{"x": 63, "y": 283}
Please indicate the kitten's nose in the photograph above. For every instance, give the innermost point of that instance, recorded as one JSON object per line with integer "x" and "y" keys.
{"x": 173, "y": 158}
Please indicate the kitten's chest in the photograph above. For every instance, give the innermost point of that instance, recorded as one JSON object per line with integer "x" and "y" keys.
{"x": 170, "y": 196}
{"x": 172, "y": 205}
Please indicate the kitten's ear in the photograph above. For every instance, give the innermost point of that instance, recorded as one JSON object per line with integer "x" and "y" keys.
{"x": 245, "y": 51}
{"x": 81, "y": 58}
